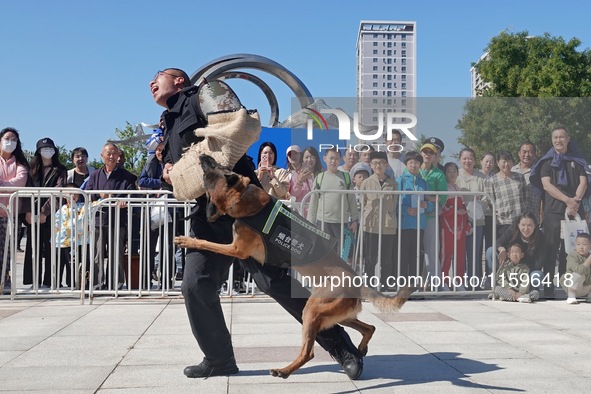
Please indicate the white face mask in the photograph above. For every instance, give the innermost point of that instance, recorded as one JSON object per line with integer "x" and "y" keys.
{"x": 8, "y": 146}
{"x": 47, "y": 153}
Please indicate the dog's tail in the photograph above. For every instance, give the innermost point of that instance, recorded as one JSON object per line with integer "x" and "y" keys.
{"x": 386, "y": 303}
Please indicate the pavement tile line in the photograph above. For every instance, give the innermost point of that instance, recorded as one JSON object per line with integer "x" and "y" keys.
{"x": 130, "y": 348}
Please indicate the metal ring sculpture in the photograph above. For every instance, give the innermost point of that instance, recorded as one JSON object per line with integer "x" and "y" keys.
{"x": 226, "y": 67}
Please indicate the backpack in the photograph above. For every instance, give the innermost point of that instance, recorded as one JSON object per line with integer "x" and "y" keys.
{"x": 341, "y": 174}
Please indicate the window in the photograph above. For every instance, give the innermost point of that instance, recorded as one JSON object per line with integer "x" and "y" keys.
{"x": 404, "y": 102}
{"x": 375, "y": 36}
{"x": 375, "y": 59}
{"x": 403, "y": 44}
{"x": 389, "y": 69}
{"x": 375, "y": 118}
{"x": 403, "y": 77}
{"x": 375, "y": 92}
{"x": 389, "y": 94}
{"x": 403, "y": 94}
{"x": 375, "y": 76}
{"x": 389, "y": 52}
{"x": 403, "y": 86}
{"x": 403, "y": 69}
{"x": 389, "y": 61}
{"x": 403, "y": 37}
{"x": 375, "y": 52}
{"x": 389, "y": 101}
{"x": 403, "y": 61}
{"x": 389, "y": 85}
{"x": 389, "y": 45}
{"x": 375, "y": 85}
{"x": 389, "y": 78}
{"x": 374, "y": 68}
{"x": 404, "y": 53}
{"x": 374, "y": 101}
{"x": 374, "y": 111}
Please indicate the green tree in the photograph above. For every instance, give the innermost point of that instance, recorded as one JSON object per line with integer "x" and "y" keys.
{"x": 534, "y": 83}
{"x": 135, "y": 154}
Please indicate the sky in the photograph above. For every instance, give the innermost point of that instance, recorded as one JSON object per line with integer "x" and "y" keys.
{"x": 75, "y": 70}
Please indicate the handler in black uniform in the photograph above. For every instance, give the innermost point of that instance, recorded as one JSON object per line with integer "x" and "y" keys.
{"x": 205, "y": 271}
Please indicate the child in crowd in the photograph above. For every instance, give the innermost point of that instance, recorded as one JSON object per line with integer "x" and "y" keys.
{"x": 413, "y": 215}
{"x": 67, "y": 226}
{"x": 359, "y": 173}
{"x": 576, "y": 281}
{"x": 513, "y": 278}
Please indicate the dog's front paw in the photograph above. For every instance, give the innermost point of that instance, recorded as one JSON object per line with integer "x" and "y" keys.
{"x": 280, "y": 373}
{"x": 184, "y": 242}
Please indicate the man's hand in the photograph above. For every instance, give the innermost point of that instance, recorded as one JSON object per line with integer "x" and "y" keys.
{"x": 165, "y": 172}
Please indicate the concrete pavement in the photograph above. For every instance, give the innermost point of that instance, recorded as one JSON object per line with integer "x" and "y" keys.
{"x": 434, "y": 345}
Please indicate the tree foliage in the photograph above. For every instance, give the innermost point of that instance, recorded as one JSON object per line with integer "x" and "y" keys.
{"x": 534, "y": 84}
{"x": 135, "y": 153}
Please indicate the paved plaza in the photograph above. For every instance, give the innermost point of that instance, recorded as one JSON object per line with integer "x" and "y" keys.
{"x": 131, "y": 345}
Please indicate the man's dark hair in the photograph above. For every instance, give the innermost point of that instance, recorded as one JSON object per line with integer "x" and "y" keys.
{"x": 182, "y": 74}
{"x": 413, "y": 156}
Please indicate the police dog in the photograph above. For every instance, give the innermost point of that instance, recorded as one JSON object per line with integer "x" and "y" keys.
{"x": 231, "y": 194}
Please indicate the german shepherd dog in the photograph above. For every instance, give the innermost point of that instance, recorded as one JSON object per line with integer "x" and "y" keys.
{"x": 231, "y": 194}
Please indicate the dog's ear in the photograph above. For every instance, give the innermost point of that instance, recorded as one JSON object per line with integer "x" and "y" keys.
{"x": 231, "y": 179}
{"x": 207, "y": 162}
{"x": 212, "y": 212}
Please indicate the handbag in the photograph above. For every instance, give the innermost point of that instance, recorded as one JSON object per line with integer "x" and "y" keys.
{"x": 569, "y": 229}
{"x": 159, "y": 215}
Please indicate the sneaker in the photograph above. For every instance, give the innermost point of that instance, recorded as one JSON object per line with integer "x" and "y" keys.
{"x": 352, "y": 363}
{"x": 525, "y": 299}
{"x": 572, "y": 300}
{"x": 205, "y": 370}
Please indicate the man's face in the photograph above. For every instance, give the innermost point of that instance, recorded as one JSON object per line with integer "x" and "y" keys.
{"x": 527, "y": 155}
{"x": 110, "y": 155}
{"x": 560, "y": 140}
{"x": 378, "y": 166}
{"x": 350, "y": 157}
{"x": 332, "y": 160}
{"x": 397, "y": 142}
{"x": 165, "y": 84}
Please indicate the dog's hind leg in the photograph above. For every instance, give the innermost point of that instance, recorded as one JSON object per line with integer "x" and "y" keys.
{"x": 311, "y": 325}
{"x": 366, "y": 331}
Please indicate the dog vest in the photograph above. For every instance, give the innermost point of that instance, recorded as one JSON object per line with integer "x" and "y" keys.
{"x": 290, "y": 240}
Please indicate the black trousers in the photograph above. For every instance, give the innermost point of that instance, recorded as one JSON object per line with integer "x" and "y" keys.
{"x": 554, "y": 247}
{"x": 43, "y": 261}
{"x": 389, "y": 257}
{"x": 203, "y": 276}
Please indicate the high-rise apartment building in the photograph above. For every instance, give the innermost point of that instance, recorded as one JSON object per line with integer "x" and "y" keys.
{"x": 478, "y": 85}
{"x": 386, "y": 69}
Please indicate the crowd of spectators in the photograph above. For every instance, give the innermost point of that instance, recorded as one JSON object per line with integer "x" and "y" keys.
{"x": 443, "y": 234}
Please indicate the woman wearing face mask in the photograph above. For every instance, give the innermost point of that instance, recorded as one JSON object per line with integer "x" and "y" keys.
{"x": 46, "y": 171}
{"x": 14, "y": 170}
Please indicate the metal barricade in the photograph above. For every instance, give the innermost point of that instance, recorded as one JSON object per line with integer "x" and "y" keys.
{"x": 132, "y": 242}
{"x": 428, "y": 281}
